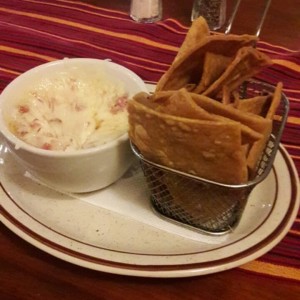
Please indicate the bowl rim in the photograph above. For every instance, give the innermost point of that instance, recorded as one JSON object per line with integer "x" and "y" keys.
{"x": 20, "y": 144}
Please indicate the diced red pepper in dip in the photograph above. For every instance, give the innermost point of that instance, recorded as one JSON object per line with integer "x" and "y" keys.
{"x": 23, "y": 109}
{"x": 120, "y": 105}
{"x": 46, "y": 146}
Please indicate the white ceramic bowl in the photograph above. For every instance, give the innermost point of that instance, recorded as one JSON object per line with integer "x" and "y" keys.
{"x": 81, "y": 170}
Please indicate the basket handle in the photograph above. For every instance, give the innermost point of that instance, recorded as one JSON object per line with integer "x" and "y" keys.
{"x": 261, "y": 21}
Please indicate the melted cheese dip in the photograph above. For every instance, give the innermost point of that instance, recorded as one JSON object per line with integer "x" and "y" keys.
{"x": 71, "y": 110}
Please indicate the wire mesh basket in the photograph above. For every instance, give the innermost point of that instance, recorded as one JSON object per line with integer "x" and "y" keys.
{"x": 205, "y": 205}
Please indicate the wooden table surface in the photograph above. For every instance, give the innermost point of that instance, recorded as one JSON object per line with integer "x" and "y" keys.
{"x": 29, "y": 273}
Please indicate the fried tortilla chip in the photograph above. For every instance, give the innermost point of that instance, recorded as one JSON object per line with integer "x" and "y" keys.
{"x": 226, "y": 95}
{"x": 188, "y": 68}
{"x": 145, "y": 99}
{"x": 247, "y": 62}
{"x": 207, "y": 149}
{"x": 161, "y": 96}
{"x": 214, "y": 66}
{"x": 258, "y": 105}
{"x": 275, "y": 101}
{"x": 256, "y": 150}
{"x": 181, "y": 103}
{"x": 257, "y": 123}
{"x": 198, "y": 30}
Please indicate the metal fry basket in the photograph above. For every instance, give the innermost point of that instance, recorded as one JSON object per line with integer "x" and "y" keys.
{"x": 205, "y": 205}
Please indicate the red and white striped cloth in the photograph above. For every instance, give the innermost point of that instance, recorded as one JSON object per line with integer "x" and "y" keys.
{"x": 33, "y": 32}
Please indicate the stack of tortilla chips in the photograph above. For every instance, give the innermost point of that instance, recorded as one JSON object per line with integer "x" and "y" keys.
{"x": 195, "y": 121}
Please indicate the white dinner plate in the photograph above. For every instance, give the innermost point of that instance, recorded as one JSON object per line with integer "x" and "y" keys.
{"x": 115, "y": 230}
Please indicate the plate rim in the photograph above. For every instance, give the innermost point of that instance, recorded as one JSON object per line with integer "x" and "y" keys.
{"x": 175, "y": 270}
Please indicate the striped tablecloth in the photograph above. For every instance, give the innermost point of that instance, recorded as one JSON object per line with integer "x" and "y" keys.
{"x": 33, "y": 32}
